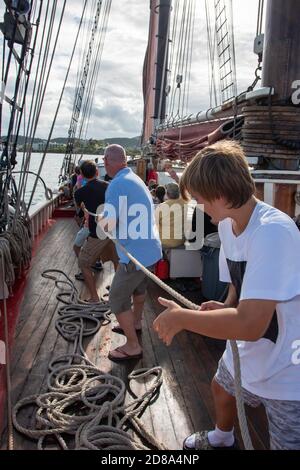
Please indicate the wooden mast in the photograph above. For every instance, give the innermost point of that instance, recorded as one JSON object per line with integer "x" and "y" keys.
{"x": 272, "y": 129}
{"x": 281, "y": 63}
{"x": 156, "y": 66}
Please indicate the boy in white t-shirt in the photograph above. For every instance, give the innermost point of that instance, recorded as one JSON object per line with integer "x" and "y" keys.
{"x": 260, "y": 258}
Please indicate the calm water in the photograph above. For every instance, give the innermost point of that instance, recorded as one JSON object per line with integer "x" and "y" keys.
{"x": 50, "y": 173}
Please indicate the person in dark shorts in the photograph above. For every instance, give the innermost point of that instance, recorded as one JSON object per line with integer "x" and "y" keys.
{"x": 92, "y": 195}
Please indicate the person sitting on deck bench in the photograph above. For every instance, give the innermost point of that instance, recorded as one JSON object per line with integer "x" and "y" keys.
{"x": 260, "y": 258}
{"x": 170, "y": 218}
{"x": 92, "y": 195}
{"x": 129, "y": 214}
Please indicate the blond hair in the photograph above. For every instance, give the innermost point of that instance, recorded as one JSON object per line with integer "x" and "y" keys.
{"x": 219, "y": 171}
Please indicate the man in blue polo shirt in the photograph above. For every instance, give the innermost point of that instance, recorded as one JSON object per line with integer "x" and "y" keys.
{"x": 129, "y": 214}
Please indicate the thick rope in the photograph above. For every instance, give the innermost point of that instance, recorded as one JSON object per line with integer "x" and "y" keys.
{"x": 82, "y": 401}
{"x": 100, "y": 400}
{"x": 10, "y": 437}
{"x": 9, "y": 273}
{"x": 236, "y": 359}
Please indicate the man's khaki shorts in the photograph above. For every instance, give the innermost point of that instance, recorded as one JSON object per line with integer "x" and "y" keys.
{"x": 127, "y": 282}
{"x": 94, "y": 250}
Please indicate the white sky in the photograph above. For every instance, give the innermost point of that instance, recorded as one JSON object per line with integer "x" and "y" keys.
{"x": 118, "y": 106}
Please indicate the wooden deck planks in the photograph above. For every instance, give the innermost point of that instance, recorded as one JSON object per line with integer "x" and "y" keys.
{"x": 185, "y": 402}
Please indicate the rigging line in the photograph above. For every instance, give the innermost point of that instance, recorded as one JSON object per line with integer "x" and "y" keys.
{"x": 191, "y": 54}
{"x": 37, "y": 90}
{"x": 173, "y": 45}
{"x": 172, "y": 67}
{"x": 37, "y": 23}
{"x": 42, "y": 79}
{"x": 184, "y": 59}
{"x": 22, "y": 94}
{"x": 45, "y": 80}
{"x": 94, "y": 69}
{"x": 59, "y": 103}
{"x": 10, "y": 54}
{"x": 178, "y": 65}
{"x": 176, "y": 69}
{"x": 219, "y": 85}
{"x": 48, "y": 191}
{"x": 93, "y": 75}
{"x": 211, "y": 52}
{"x": 81, "y": 93}
{"x": 182, "y": 36}
{"x": 2, "y": 83}
{"x": 186, "y": 55}
{"x": 189, "y": 58}
{"x": 99, "y": 62}
{"x": 187, "y": 61}
{"x": 17, "y": 85}
{"x": 87, "y": 22}
{"x": 172, "y": 49}
{"x": 17, "y": 94}
{"x": 71, "y": 158}
{"x": 45, "y": 71}
{"x": 31, "y": 113}
{"x": 233, "y": 48}
{"x": 33, "y": 7}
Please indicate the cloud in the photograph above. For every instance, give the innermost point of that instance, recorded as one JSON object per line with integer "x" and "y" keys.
{"x": 118, "y": 103}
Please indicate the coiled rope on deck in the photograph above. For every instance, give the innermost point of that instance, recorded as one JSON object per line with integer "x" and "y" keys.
{"x": 100, "y": 400}
{"x": 82, "y": 402}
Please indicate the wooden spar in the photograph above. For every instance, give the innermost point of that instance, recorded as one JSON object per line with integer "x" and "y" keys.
{"x": 281, "y": 63}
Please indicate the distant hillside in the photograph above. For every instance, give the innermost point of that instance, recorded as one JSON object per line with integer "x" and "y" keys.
{"x": 132, "y": 143}
{"x": 21, "y": 140}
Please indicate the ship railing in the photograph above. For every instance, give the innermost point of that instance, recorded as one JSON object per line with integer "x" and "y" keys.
{"x": 41, "y": 214}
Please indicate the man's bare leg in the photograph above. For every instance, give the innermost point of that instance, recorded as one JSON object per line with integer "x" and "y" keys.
{"x": 132, "y": 347}
{"x": 89, "y": 280}
{"x": 138, "y": 307}
{"x": 77, "y": 250}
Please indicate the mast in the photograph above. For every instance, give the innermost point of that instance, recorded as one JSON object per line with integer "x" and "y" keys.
{"x": 281, "y": 64}
{"x": 272, "y": 128}
{"x": 155, "y": 67}
{"x": 164, "y": 11}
